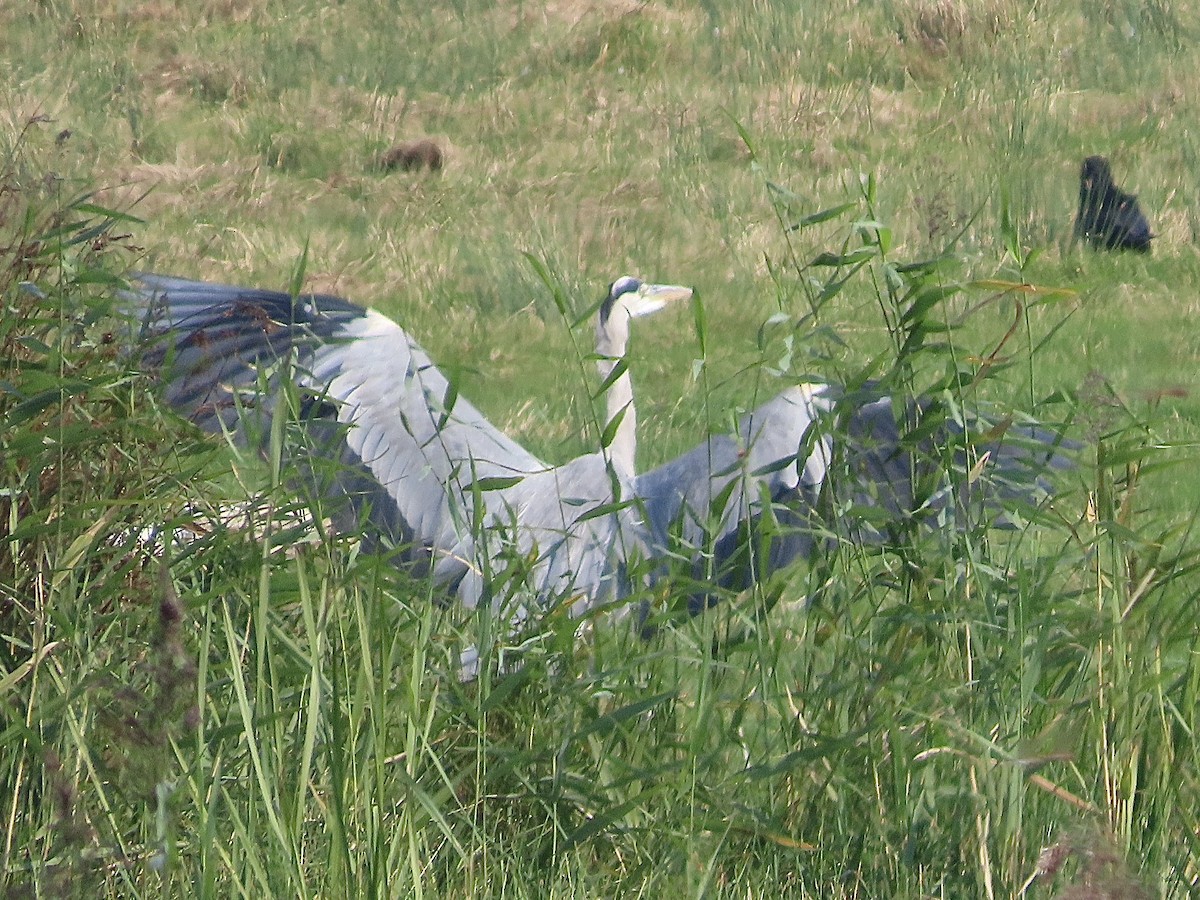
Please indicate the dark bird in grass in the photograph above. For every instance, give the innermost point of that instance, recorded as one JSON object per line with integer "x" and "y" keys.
{"x": 1108, "y": 218}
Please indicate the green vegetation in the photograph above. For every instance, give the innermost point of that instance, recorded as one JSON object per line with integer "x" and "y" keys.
{"x": 267, "y": 711}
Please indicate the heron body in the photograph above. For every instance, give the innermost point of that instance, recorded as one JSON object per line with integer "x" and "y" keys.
{"x": 421, "y": 466}
{"x": 698, "y": 503}
{"x": 426, "y": 473}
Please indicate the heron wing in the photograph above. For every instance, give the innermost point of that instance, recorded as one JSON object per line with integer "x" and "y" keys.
{"x": 414, "y": 451}
{"x": 833, "y": 465}
{"x": 700, "y": 502}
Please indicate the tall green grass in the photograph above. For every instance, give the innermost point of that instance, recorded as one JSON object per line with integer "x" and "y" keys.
{"x": 250, "y": 714}
{"x": 244, "y": 715}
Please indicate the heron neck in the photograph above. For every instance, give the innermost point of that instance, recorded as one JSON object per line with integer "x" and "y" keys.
{"x": 622, "y": 450}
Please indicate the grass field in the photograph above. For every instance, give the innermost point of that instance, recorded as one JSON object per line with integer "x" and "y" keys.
{"x": 235, "y": 720}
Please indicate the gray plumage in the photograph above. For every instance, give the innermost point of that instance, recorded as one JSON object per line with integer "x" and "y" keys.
{"x": 422, "y": 466}
{"x": 698, "y": 504}
{"x": 425, "y": 472}
{"x": 825, "y": 466}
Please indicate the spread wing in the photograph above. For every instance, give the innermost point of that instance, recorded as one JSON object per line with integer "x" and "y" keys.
{"x": 823, "y": 465}
{"x": 419, "y": 464}
{"x": 370, "y": 395}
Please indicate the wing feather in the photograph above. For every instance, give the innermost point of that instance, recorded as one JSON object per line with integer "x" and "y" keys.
{"x": 213, "y": 342}
{"x": 408, "y": 463}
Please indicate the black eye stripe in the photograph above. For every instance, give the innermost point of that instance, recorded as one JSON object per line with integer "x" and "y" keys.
{"x": 619, "y": 288}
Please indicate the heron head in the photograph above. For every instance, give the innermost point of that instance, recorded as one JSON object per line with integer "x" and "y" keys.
{"x": 637, "y": 298}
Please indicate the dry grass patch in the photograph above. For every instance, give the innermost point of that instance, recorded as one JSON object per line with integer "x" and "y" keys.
{"x": 574, "y": 13}
{"x": 163, "y": 12}
{"x": 953, "y": 27}
{"x": 208, "y": 80}
{"x": 1091, "y": 111}
{"x": 796, "y": 104}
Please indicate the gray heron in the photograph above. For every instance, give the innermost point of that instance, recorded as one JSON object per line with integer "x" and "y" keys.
{"x": 421, "y": 466}
{"x": 430, "y": 475}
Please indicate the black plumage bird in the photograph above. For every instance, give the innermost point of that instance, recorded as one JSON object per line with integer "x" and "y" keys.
{"x": 1108, "y": 218}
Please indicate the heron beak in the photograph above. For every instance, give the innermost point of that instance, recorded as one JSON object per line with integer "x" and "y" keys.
{"x": 650, "y": 298}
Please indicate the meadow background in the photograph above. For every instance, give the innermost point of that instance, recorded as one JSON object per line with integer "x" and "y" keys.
{"x": 236, "y": 720}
